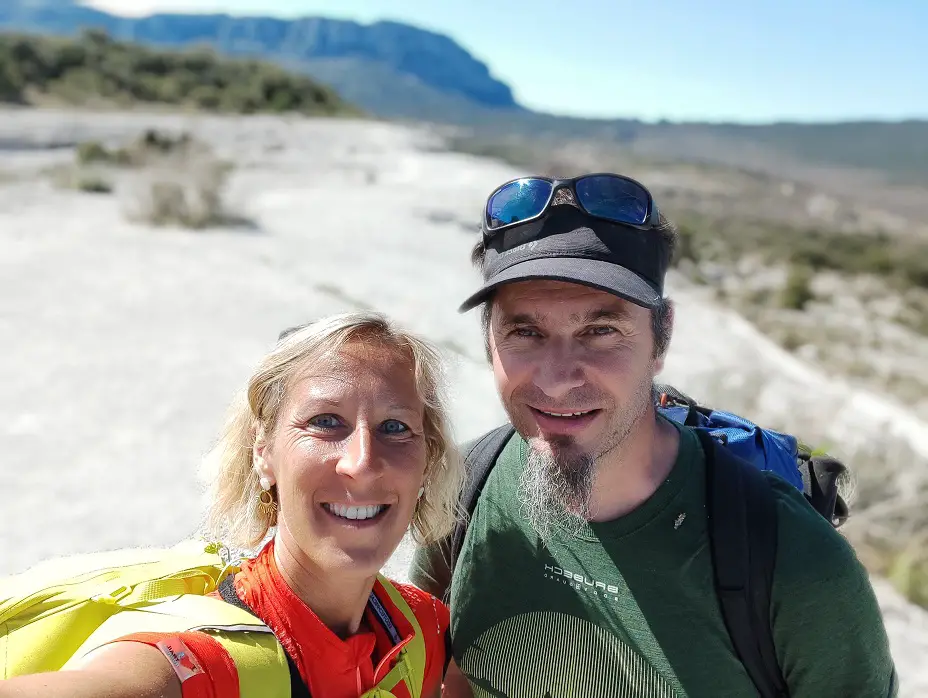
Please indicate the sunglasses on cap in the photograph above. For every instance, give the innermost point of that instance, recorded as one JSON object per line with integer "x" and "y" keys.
{"x": 608, "y": 196}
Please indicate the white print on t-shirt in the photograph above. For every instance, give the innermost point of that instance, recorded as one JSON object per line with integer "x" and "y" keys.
{"x": 582, "y": 582}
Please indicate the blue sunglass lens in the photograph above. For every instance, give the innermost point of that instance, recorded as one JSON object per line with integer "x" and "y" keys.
{"x": 518, "y": 201}
{"x": 613, "y": 198}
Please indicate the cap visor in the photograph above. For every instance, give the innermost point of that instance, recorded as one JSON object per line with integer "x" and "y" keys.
{"x": 595, "y": 273}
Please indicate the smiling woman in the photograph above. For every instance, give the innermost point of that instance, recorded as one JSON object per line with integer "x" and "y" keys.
{"x": 338, "y": 445}
{"x": 344, "y": 375}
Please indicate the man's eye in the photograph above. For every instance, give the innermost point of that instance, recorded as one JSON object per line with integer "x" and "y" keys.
{"x": 325, "y": 421}
{"x": 394, "y": 427}
{"x": 525, "y": 332}
{"x": 602, "y": 331}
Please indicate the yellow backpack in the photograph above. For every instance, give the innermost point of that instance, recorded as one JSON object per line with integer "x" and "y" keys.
{"x": 58, "y": 611}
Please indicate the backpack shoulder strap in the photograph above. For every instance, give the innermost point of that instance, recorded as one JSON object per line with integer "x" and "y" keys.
{"x": 413, "y": 669}
{"x": 742, "y": 521}
{"x": 298, "y": 688}
{"x": 480, "y": 456}
{"x": 820, "y": 475}
{"x": 414, "y": 655}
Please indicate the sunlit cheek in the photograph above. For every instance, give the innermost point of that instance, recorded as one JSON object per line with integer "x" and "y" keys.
{"x": 310, "y": 472}
{"x": 295, "y": 503}
{"x": 410, "y": 470}
{"x": 517, "y": 363}
{"x": 614, "y": 364}
{"x": 511, "y": 375}
{"x": 505, "y": 367}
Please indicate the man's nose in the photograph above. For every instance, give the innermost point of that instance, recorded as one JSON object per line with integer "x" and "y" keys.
{"x": 558, "y": 370}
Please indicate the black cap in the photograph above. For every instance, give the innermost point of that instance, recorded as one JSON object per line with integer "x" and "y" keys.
{"x": 568, "y": 245}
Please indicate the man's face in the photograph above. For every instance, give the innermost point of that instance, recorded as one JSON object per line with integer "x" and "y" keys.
{"x": 574, "y": 367}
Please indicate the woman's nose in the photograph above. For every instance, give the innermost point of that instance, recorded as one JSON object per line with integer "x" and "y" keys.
{"x": 360, "y": 460}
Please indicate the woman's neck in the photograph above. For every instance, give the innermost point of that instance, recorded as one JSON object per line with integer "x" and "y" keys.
{"x": 337, "y": 600}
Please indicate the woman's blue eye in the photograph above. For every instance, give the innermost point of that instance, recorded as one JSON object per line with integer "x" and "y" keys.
{"x": 393, "y": 426}
{"x": 325, "y": 421}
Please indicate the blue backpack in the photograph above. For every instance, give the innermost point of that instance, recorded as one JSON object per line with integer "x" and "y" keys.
{"x": 782, "y": 454}
{"x": 740, "y": 509}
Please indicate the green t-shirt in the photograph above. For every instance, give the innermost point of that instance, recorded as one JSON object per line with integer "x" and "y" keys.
{"x": 627, "y": 608}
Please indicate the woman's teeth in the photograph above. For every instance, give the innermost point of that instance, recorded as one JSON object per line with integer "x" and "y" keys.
{"x": 357, "y": 513}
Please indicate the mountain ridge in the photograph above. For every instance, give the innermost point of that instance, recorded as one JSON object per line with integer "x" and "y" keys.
{"x": 398, "y": 71}
{"x": 435, "y": 60}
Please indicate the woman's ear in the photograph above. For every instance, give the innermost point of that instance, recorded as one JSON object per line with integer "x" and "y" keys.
{"x": 259, "y": 459}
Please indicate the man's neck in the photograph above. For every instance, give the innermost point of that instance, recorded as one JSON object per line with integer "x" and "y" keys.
{"x": 628, "y": 475}
{"x": 337, "y": 600}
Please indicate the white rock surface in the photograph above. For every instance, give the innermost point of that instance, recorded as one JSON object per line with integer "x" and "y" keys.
{"x": 122, "y": 345}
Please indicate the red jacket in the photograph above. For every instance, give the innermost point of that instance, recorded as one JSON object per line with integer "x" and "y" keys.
{"x": 330, "y": 667}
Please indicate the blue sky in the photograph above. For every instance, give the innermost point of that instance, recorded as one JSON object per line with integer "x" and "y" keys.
{"x": 716, "y": 60}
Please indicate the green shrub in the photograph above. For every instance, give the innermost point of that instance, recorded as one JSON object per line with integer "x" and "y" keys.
{"x": 92, "y": 183}
{"x": 798, "y": 289}
{"x": 80, "y": 177}
{"x": 92, "y": 151}
{"x": 909, "y": 574}
{"x": 152, "y": 144}
{"x": 93, "y": 68}
{"x": 791, "y": 340}
{"x": 687, "y": 245}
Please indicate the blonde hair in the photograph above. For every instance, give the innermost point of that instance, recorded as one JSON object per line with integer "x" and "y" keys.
{"x": 233, "y": 516}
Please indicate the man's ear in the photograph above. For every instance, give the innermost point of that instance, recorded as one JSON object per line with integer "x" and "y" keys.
{"x": 259, "y": 454}
{"x": 667, "y": 326}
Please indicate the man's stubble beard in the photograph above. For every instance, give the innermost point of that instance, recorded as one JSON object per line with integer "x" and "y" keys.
{"x": 556, "y": 485}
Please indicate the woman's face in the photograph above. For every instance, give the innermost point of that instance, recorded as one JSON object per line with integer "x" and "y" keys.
{"x": 348, "y": 457}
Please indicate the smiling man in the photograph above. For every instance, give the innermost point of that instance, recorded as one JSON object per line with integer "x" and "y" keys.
{"x": 572, "y": 414}
{"x": 586, "y": 569}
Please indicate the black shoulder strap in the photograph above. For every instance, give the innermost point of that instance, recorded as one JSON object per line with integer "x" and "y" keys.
{"x": 480, "y": 455}
{"x": 742, "y": 520}
{"x": 226, "y": 590}
{"x": 820, "y": 475}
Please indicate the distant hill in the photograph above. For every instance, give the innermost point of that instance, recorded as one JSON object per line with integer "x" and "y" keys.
{"x": 897, "y": 150}
{"x": 398, "y": 71}
{"x": 395, "y": 67}
{"x": 95, "y": 70}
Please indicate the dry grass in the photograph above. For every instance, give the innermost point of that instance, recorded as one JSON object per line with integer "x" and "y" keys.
{"x": 163, "y": 180}
{"x": 888, "y": 486}
{"x": 854, "y": 327}
{"x": 890, "y": 535}
{"x": 151, "y": 146}
{"x": 178, "y": 191}
{"x": 87, "y": 179}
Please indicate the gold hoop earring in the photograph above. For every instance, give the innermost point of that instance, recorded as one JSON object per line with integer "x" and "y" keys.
{"x": 267, "y": 507}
